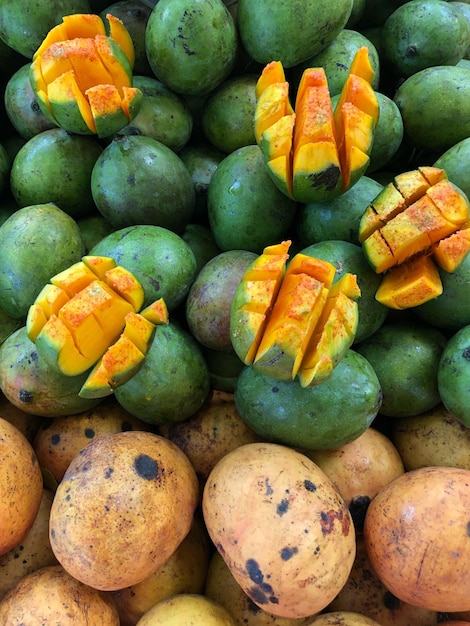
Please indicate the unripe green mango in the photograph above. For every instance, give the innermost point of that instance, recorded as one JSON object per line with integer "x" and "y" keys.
{"x": 290, "y": 31}
{"x": 191, "y": 44}
{"x": 435, "y": 106}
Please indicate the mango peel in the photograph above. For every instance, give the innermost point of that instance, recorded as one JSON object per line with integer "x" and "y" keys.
{"x": 87, "y": 318}
{"x": 314, "y": 153}
{"x": 418, "y": 223}
{"x": 81, "y": 75}
{"x": 291, "y": 319}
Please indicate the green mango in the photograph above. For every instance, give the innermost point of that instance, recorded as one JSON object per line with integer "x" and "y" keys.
{"x": 324, "y": 416}
{"x": 349, "y": 257}
{"x": 36, "y": 242}
{"x": 405, "y": 356}
{"x": 453, "y": 375}
{"x": 435, "y": 106}
{"x": 172, "y": 384}
{"x": 456, "y": 163}
{"x": 191, "y": 44}
{"x": 290, "y": 31}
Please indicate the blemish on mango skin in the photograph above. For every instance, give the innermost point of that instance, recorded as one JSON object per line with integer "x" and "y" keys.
{"x": 263, "y": 592}
{"x": 146, "y": 467}
{"x": 328, "y": 518}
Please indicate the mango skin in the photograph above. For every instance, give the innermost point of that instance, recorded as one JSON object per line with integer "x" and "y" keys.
{"x": 27, "y": 236}
{"x": 183, "y": 52}
{"x": 320, "y": 417}
{"x": 453, "y": 374}
{"x": 290, "y": 30}
{"x": 435, "y": 107}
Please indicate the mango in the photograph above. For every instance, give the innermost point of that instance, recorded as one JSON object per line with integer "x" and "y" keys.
{"x": 291, "y": 321}
{"x": 419, "y": 213}
{"x": 314, "y": 153}
{"x": 88, "y": 316}
{"x": 183, "y": 52}
{"x": 82, "y": 77}
{"x": 290, "y": 31}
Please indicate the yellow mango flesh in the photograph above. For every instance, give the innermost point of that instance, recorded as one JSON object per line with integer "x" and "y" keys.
{"x": 284, "y": 312}
{"x": 119, "y": 33}
{"x": 85, "y": 309}
{"x": 330, "y": 150}
{"x": 410, "y": 285}
{"x": 452, "y": 250}
{"x": 413, "y": 224}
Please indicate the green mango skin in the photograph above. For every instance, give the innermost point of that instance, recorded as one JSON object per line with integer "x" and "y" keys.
{"x": 405, "y": 356}
{"x": 25, "y": 23}
{"x": 337, "y": 218}
{"x": 422, "y": 34}
{"x": 160, "y": 259}
{"x": 163, "y": 115}
{"x": 456, "y": 163}
{"x": 246, "y": 210}
{"x": 139, "y": 180}
{"x": 191, "y": 44}
{"x": 290, "y": 31}
{"x": 22, "y": 107}
{"x": 33, "y": 386}
{"x": 435, "y": 107}
{"x": 228, "y": 113}
{"x": 56, "y": 166}
{"x": 173, "y": 382}
{"x": 388, "y": 135}
{"x": 453, "y": 375}
{"x": 322, "y": 417}
{"x": 348, "y": 257}
{"x": 36, "y": 242}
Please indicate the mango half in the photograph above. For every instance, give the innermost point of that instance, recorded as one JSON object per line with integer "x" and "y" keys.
{"x": 88, "y": 317}
{"x": 292, "y": 319}
{"x": 81, "y": 75}
{"x": 418, "y": 222}
{"x": 314, "y": 153}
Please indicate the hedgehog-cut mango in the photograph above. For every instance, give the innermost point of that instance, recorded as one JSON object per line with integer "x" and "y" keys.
{"x": 290, "y": 318}
{"x": 418, "y": 223}
{"x": 87, "y": 318}
{"x": 81, "y": 75}
{"x": 314, "y": 153}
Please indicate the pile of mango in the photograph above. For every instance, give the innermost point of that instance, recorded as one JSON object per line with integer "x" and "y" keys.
{"x": 235, "y": 312}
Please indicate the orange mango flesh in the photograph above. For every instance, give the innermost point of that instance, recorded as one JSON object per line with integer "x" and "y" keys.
{"x": 287, "y": 321}
{"x": 317, "y": 153}
{"x": 83, "y": 74}
{"x": 88, "y": 316}
{"x": 416, "y": 221}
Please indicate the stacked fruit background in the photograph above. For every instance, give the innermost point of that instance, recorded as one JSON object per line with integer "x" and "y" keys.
{"x": 235, "y": 312}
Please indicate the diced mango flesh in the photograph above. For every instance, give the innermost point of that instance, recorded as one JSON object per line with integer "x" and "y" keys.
{"x": 418, "y": 220}
{"x": 77, "y": 321}
{"x": 274, "y": 319}
{"x": 313, "y": 152}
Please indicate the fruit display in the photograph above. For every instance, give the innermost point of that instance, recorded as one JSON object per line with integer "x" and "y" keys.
{"x": 234, "y": 313}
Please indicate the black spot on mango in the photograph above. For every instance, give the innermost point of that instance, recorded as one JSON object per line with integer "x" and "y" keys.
{"x": 146, "y": 467}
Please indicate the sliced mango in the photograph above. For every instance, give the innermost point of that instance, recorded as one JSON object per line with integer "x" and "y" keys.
{"x": 81, "y": 75}
{"x": 293, "y": 321}
{"x": 87, "y": 317}
{"x": 410, "y": 226}
{"x": 313, "y": 153}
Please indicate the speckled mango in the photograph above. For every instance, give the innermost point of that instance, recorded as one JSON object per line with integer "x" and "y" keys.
{"x": 88, "y": 317}
{"x": 293, "y": 320}
{"x": 418, "y": 222}
{"x": 81, "y": 75}
{"x": 314, "y": 152}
